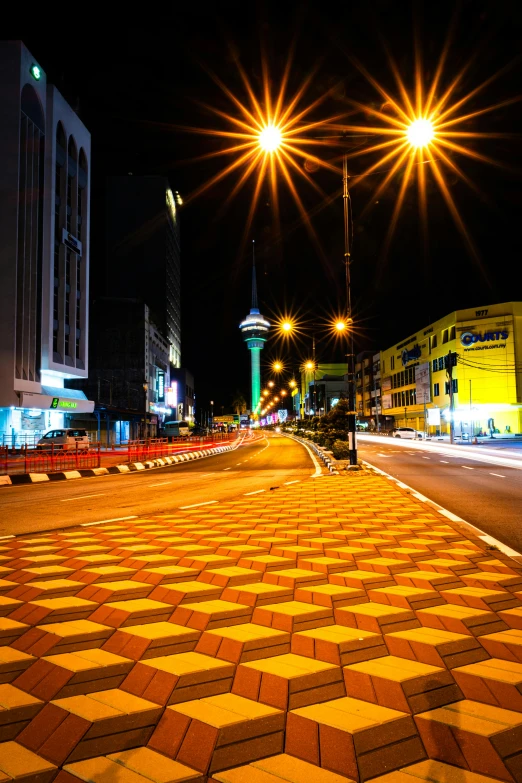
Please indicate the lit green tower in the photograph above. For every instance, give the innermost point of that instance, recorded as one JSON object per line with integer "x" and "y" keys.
{"x": 255, "y": 330}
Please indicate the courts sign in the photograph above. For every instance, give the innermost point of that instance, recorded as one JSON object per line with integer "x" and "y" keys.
{"x": 469, "y": 338}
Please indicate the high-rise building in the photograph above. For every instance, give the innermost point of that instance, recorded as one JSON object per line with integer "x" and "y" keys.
{"x": 255, "y": 330}
{"x": 143, "y": 250}
{"x": 45, "y": 153}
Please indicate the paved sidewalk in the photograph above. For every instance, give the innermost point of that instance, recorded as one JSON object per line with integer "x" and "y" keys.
{"x": 335, "y": 629}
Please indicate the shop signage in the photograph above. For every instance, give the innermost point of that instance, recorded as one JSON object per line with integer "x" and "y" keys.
{"x": 422, "y": 383}
{"x": 411, "y": 354}
{"x": 30, "y": 400}
{"x": 161, "y": 386}
{"x": 67, "y": 404}
{"x": 468, "y": 338}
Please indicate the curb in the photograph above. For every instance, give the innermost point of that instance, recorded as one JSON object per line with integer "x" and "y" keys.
{"x": 68, "y": 475}
{"x": 320, "y": 453}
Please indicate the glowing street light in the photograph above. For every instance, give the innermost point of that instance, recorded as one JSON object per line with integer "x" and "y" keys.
{"x": 420, "y": 133}
{"x": 271, "y": 384}
{"x": 287, "y": 327}
{"x": 270, "y": 138}
{"x": 277, "y": 367}
{"x": 309, "y": 365}
{"x": 341, "y": 326}
{"x": 283, "y": 393}
{"x": 292, "y": 384}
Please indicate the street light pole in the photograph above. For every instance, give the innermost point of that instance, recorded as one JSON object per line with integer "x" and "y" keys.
{"x": 352, "y": 437}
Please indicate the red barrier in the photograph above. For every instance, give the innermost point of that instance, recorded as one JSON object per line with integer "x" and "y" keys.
{"x": 144, "y": 450}
{"x": 51, "y": 460}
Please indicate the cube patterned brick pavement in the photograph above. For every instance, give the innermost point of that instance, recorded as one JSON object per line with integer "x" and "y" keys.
{"x": 211, "y": 734}
{"x": 275, "y": 769}
{"x": 108, "y": 573}
{"x": 505, "y": 644}
{"x": 440, "y": 648}
{"x": 185, "y": 593}
{"x": 338, "y": 644}
{"x": 80, "y": 727}
{"x": 63, "y": 637}
{"x": 51, "y": 588}
{"x": 129, "y": 767}
{"x": 475, "y": 736}
{"x": 73, "y": 674}
{"x": 230, "y": 577}
{"x": 329, "y": 595}
{"x": 53, "y": 610}
{"x": 361, "y": 579}
{"x": 461, "y": 619}
{"x": 401, "y": 684}
{"x": 494, "y": 581}
{"x": 120, "y": 590}
{"x": 378, "y": 618}
{"x": 406, "y": 597}
{"x": 11, "y": 630}
{"x": 13, "y": 662}
{"x": 292, "y": 616}
{"x": 175, "y": 678}
{"x": 480, "y": 598}
{"x": 137, "y": 611}
{"x": 243, "y": 643}
{"x": 207, "y": 615}
{"x": 257, "y": 594}
{"x": 18, "y": 763}
{"x": 17, "y": 709}
{"x": 430, "y": 771}
{"x": 492, "y": 682}
{"x": 152, "y": 640}
{"x": 353, "y": 738}
{"x": 165, "y": 575}
{"x": 266, "y": 562}
{"x": 512, "y": 617}
{"x": 288, "y": 681}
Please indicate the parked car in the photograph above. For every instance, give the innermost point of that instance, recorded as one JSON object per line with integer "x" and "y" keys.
{"x": 176, "y": 429}
{"x": 405, "y": 432}
{"x": 64, "y": 439}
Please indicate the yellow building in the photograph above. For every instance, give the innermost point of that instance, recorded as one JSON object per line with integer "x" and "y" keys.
{"x": 486, "y": 373}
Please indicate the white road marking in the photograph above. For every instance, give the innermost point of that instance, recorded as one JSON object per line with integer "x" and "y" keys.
{"x": 81, "y": 497}
{"x": 206, "y": 474}
{"x": 296, "y": 481}
{"x": 445, "y": 461}
{"x": 194, "y": 505}
{"x": 255, "y": 492}
{"x": 466, "y": 467}
{"x": 497, "y": 474}
{"x": 426, "y": 458}
{"x": 104, "y": 521}
{"x": 162, "y": 484}
{"x": 382, "y": 455}
{"x": 226, "y": 468}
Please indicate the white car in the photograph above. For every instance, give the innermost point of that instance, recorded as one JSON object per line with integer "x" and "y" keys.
{"x": 406, "y": 432}
{"x": 64, "y": 439}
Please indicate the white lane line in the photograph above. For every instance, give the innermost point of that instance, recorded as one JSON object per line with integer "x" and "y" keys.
{"x": 206, "y": 474}
{"x": 382, "y": 455}
{"x": 497, "y": 474}
{"x": 105, "y": 521}
{"x": 426, "y": 458}
{"x": 162, "y": 484}
{"x": 295, "y": 481}
{"x": 466, "y": 467}
{"x": 445, "y": 461}
{"x": 238, "y": 463}
{"x": 255, "y": 492}
{"x": 81, "y": 497}
{"x": 226, "y": 468}
{"x": 194, "y": 505}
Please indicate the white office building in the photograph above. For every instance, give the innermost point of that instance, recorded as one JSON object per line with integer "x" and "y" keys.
{"x": 45, "y": 155}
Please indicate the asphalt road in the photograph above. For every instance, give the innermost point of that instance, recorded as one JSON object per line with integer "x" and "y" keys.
{"x": 486, "y": 494}
{"x": 255, "y": 466}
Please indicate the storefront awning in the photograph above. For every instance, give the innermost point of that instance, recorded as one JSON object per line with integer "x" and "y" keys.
{"x": 59, "y": 399}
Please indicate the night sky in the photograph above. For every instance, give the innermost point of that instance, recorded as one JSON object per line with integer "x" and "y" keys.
{"x": 134, "y": 87}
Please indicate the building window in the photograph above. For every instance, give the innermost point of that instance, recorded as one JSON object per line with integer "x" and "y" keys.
{"x": 436, "y": 389}
{"x": 454, "y": 386}
{"x": 444, "y": 336}
{"x": 441, "y": 363}
{"x": 77, "y": 347}
{"x": 452, "y": 333}
{"x": 433, "y": 341}
{"x": 435, "y": 365}
{"x": 393, "y": 362}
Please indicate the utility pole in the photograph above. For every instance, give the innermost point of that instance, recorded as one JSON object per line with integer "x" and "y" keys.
{"x": 449, "y": 372}
{"x": 376, "y": 404}
{"x": 352, "y": 437}
{"x": 315, "y": 369}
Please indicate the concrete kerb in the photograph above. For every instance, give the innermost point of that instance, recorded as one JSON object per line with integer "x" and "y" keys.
{"x": 160, "y": 462}
{"x": 325, "y": 458}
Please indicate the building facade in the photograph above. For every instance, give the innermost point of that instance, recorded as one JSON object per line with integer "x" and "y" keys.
{"x": 45, "y": 155}
{"x": 181, "y": 398}
{"x": 466, "y": 368}
{"x": 143, "y": 259}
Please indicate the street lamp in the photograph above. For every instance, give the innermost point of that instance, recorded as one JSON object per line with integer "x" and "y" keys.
{"x": 270, "y": 138}
{"x": 420, "y": 133}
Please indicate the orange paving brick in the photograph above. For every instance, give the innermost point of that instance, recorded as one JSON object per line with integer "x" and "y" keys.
{"x": 18, "y": 763}
{"x": 207, "y": 615}
{"x": 504, "y": 644}
{"x": 129, "y": 767}
{"x": 329, "y": 595}
{"x": 185, "y": 592}
{"x": 405, "y": 597}
{"x": 152, "y": 640}
{"x": 13, "y": 662}
{"x": 175, "y": 678}
{"x": 339, "y": 644}
{"x": 292, "y": 616}
{"x": 378, "y": 618}
{"x": 512, "y": 617}
{"x": 17, "y": 709}
{"x": 164, "y": 575}
{"x": 408, "y": 686}
{"x": 461, "y": 619}
{"x": 243, "y": 643}
{"x": 275, "y": 769}
{"x": 353, "y": 738}
{"x": 212, "y": 733}
{"x": 73, "y": 674}
{"x": 362, "y": 579}
{"x": 494, "y": 581}
{"x": 475, "y": 736}
{"x": 25, "y": 575}
{"x": 428, "y": 580}
{"x": 430, "y": 771}
{"x": 119, "y": 590}
{"x": 481, "y": 598}
{"x": 257, "y": 594}
{"x": 52, "y": 610}
{"x": 294, "y": 578}
{"x": 107, "y": 573}
{"x": 230, "y": 577}
{"x": 120, "y": 614}
{"x": 324, "y": 565}
{"x": 266, "y": 562}
{"x": 436, "y": 647}
{"x": 494, "y": 681}
{"x": 288, "y": 681}
{"x": 63, "y": 637}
